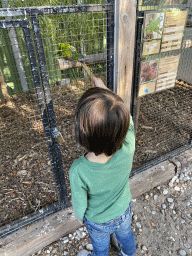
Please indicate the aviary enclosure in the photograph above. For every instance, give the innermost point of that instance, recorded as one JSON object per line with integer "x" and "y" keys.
{"x": 41, "y": 44}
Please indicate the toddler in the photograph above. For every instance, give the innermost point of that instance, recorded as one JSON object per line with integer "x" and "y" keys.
{"x": 99, "y": 179}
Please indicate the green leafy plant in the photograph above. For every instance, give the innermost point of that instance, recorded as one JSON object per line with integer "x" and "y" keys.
{"x": 69, "y": 35}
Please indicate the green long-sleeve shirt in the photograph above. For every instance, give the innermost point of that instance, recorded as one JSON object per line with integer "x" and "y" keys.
{"x": 100, "y": 191}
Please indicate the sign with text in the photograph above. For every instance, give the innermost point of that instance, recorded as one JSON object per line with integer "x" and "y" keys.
{"x": 163, "y": 31}
{"x": 174, "y": 26}
{"x": 167, "y": 72}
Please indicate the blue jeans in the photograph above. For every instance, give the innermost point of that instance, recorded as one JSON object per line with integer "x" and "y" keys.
{"x": 121, "y": 226}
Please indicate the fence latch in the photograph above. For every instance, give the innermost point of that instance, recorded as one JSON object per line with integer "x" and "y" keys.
{"x": 57, "y": 135}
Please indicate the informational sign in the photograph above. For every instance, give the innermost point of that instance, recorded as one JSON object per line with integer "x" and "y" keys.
{"x": 153, "y": 29}
{"x": 153, "y": 25}
{"x": 163, "y": 31}
{"x": 174, "y": 26}
{"x": 151, "y": 47}
{"x": 167, "y": 72}
{"x": 146, "y": 88}
{"x": 148, "y": 77}
{"x": 148, "y": 71}
{"x": 158, "y": 75}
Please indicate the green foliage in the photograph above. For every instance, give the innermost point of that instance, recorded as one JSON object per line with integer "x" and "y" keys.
{"x": 69, "y": 35}
{"x": 30, "y": 3}
{"x": 66, "y": 51}
{"x": 150, "y": 2}
{"x": 8, "y": 65}
{"x": 84, "y": 31}
{"x": 73, "y": 35}
{"x": 48, "y": 29}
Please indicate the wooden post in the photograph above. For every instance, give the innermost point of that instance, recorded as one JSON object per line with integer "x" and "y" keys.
{"x": 125, "y": 22}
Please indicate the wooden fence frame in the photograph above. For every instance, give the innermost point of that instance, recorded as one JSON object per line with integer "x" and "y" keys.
{"x": 125, "y": 16}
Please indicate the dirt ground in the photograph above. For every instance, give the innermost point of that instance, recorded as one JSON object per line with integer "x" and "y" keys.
{"x": 27, "y": 182}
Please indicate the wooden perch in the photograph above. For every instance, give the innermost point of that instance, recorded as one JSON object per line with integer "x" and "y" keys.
{"x": 75, "y": 63}
{"x": 89, "y": 59}
{"x": 87, "y": 69}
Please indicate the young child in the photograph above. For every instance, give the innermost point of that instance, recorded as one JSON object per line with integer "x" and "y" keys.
{"x": 99, "y": 179}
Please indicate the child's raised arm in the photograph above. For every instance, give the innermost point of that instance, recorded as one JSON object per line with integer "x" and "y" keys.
{"x": 99, "y": 83}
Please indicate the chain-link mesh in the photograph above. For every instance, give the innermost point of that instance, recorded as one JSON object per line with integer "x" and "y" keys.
{"x": 85, "y": 42}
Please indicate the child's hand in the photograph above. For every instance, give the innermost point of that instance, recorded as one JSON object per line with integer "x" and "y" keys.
{"x": 99, "y": 83}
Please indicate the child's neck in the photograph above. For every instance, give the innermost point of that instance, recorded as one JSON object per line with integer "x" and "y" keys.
{"x": 97, "y": 159}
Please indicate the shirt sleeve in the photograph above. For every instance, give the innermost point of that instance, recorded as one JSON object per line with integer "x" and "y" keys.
{"x": 130, "y": 137}
{"x": 79, "y": 194}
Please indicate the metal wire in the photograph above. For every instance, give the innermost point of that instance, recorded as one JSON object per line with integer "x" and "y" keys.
{"x": 24, "y": 154}
{"x": 163, "y": 118}
{"x": 40, "y": 173}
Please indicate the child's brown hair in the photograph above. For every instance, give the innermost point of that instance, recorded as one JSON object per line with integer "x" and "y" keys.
{"x": 101, "y": 121}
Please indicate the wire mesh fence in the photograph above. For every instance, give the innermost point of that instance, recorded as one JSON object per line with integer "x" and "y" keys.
{"x": 26, "y": 175}
{"x": 164, "y": 81}
{"x": 145, "y": 5}
{"x": 68, "y": 36}
{"x": 73, "y": 32}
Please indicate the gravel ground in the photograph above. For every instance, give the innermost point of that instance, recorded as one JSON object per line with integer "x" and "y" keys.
{"x": 162, "y": 222}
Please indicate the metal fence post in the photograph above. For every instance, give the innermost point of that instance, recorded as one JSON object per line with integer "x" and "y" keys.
{"x": 110, "y": 45}
{"x": 58, "y": 165}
